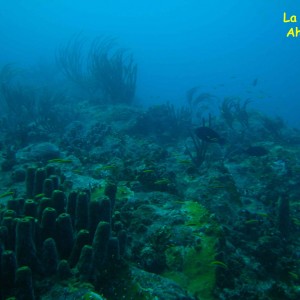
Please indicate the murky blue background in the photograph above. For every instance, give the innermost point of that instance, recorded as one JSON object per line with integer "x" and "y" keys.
{"x": 221, "y": 46}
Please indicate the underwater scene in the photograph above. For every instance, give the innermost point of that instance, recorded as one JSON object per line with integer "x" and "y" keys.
{"x": 149, "y": 150}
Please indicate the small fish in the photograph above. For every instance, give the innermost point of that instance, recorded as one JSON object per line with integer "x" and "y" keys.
{"x": 6, "y": 194}
{"x": 92, "y": 296}
{"x": 208, "y": 135}
{"x": 163, "y": 181}
{"x": 252, "y": 221}
{"x": 175, "y": 154}
{"x": 184, "y": 161}
{"x": 219, "y": 264}
{"x": 60, "y": 161}
{"x": 256, "y": 151}
{"x": 108, "y": 167}
{"x": 294, "y": 275}
{"x": 296, "y": 221}
{"x": 254, "y": 82}
{"x": 191, "y": 224}
{"x": 264, "y": 215}
{"x": 217, "y": 186}
{"x": 148, "y": 171}
{"x": 39, "y": 196}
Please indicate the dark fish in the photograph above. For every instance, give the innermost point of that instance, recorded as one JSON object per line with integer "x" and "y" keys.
{"x": 256, "y": 151}
{"x": 208, "y": 135}
{"x": 254, "y": 82}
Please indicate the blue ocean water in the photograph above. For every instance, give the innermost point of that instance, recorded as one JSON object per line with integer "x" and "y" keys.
{"x": 195, "y": 198}
{"x": 221, "y": 46}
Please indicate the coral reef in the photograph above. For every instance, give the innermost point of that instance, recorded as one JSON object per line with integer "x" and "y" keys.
{"x": 100, "y": 199}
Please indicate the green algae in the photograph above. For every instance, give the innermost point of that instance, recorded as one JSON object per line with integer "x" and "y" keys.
{"x": 191, "y": 266}
{"x": 123, "y": 192}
